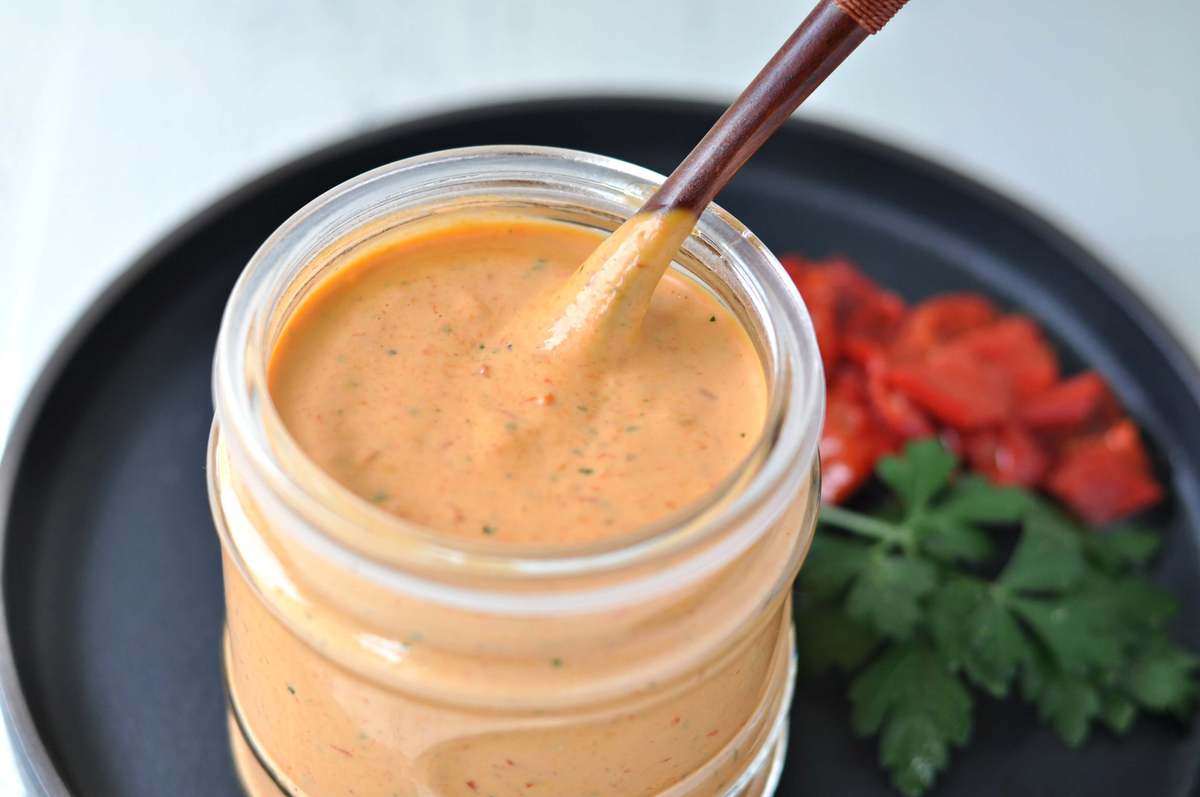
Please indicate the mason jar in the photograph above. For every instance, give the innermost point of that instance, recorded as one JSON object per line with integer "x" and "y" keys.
{"x": 366, "y": 655}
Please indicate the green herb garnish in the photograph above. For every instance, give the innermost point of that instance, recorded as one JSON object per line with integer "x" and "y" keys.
{"x": 587, "y": 471}
{"x": 489, "y": 530}
{"x": 920, "y": 601}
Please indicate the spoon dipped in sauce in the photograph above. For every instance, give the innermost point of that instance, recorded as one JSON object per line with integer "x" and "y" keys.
{"x": 600, "y": 308}
{"x": 529, "y": 381}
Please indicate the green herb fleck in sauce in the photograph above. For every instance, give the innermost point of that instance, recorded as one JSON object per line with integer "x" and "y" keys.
{"x": 587, "y": 471}
{"x": 488, "y": 530}
{"x": 712, "y": 319}
{"x": 556, "y": 662}
{"x": 379, "y": 497}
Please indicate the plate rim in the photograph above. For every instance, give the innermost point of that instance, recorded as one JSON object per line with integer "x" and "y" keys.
{"x": 19, "y": 733}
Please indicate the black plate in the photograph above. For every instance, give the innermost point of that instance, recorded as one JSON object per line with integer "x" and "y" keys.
{"x": 111, "y": 580}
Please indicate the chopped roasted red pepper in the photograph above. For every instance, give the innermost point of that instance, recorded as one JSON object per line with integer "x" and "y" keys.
{"x": 986, "y": 385}
{"x": 956, "y": 388}
{"x": 940, "y": 320}
{"x": 851, "y": 440}
{"x": 820, "y": 292}
{"x": 1073, "y": 404}
{"x": 795, "y": 266}
{"x": 867, "y": 314}
{"x": 1007, "y": 454}
{"x": 1104, "y": 477}
{"x": 952, "y": 439}
{"x": 1014, "y": 345}
{"x": 899, "y": 414}
{"x": 847, "y": 308}
{"x": 862, "y": 351}
{"x": 824, "y": 318}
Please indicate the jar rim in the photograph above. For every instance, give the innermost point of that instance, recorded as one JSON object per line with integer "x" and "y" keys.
{"x": 785, "y": 452}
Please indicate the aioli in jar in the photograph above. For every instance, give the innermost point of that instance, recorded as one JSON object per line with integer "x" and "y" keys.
{"x": 465, "y": 558}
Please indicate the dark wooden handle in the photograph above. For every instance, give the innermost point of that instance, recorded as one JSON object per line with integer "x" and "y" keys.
{"x": 871, "y": 15}
{"x": 823, "y": 40}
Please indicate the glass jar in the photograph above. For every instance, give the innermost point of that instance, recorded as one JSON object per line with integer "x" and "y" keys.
{"x": 365, "y": 655}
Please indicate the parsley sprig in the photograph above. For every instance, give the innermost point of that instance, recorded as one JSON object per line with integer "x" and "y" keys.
{"x": 929, "y": 597}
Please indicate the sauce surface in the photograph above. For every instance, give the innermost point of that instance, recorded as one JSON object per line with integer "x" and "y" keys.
{"x": 406, "y": 376}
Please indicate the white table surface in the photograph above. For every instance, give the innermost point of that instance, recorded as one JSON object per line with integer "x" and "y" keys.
{"x": 119, "y": 119}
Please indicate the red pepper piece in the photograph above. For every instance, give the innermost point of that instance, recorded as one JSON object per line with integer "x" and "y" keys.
{"x": 1103, "y": 477}
{"x": 1074, "y": 403}
{"x": 1007, "y": 454}
{"x": 824, "y": 319}
{"x": 821, "y": 296}
{"x": 899, "y": 414}
{"x": 866, "y": 312}
{"x": 939, "y": 320}
{"x": 844, "y": 304}
{"x": 1015, "y": 345}
{"x": 861, "y": 351}
{"x": 795, "y": 266}
{"x": 851, "y": 440}
{"x": 955, "y": 388}
{"x": 952, "y": 439}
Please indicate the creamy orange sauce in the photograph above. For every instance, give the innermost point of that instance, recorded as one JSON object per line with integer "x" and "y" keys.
{"x": 435, "y": 377}
{"x": 523, "y": 381}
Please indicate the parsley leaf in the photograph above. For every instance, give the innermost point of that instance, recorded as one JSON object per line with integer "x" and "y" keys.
{"x": 974, "y": 499}
{"x": 950, "y": 539}
{"x": 1066, "y": 704}
{"x": 1162, "y": 678}
{"x": 887, "y": 592}
{"x": 828, "y": 640}
{"x": 1075, "y": 631}
{"x": 916, "y": 477}
{"x": 975, "y": 630}
{"x": 1121, "y": 549}
{"x": 914, "y": 603}
{"x": 1048, "y": 556}
{"x": 832, "y": 564}
{"x": 1117, "y": 710}
{"x": 911, "y": 698}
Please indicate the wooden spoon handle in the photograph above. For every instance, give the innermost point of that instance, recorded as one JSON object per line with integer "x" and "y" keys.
{"x": 823, "y": 40}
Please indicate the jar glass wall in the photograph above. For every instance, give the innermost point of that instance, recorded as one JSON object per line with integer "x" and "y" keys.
{"x": 365, "y": 653}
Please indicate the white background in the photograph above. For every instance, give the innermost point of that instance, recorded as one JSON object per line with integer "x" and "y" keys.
{"x": 119, "y": 119}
